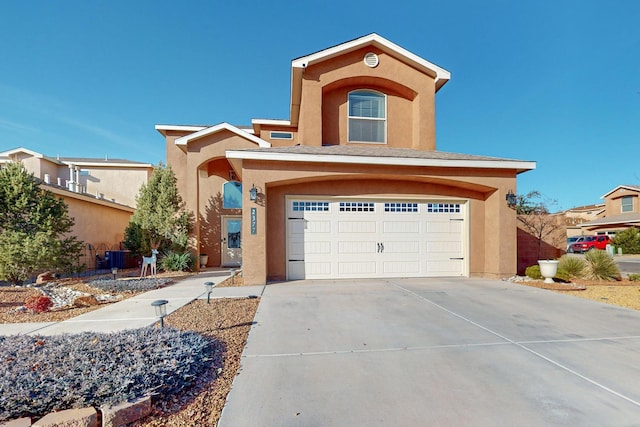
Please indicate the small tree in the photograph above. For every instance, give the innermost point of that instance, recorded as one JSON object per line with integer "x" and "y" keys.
{"x": 628, "y": 240}
{"x": 33, "y": 226}
{"x": 160, "y": 218}
{"x": 533, "y": 214}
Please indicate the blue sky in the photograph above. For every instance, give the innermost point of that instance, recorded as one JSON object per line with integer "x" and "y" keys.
{"x": 557, "y": 82}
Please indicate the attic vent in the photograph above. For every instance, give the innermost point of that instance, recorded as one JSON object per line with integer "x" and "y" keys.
{"x": 371, "y": 59}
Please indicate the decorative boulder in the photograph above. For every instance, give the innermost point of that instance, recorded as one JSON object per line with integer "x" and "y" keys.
{"x": 85, "y": 301}
{"x": 45, "y": 277}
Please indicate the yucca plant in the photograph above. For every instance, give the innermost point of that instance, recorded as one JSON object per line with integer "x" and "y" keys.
{"x": 572, "y": 266}
{"x": 177, "y": 261}
{"x": 601, "y": 266}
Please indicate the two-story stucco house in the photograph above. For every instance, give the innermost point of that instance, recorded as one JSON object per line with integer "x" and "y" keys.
{"x": 621, "y": 211}
{"x": 99, "y": 193}
{"x": 351, "y": 184}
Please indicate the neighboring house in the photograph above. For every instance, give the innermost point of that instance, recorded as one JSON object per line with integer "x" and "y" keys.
{"x": 100, "y": 194}
{"x": 579, "y": 215}
{"x": 621, "y": 211}
{"x": 351, "y": 185}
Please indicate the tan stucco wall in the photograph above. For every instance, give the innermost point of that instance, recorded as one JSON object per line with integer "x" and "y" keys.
{"x": 492, "y": 226}
{"x": 97, "y": 222}
{"x": 411, "y": 100}
{"x": 200, "y": 171}
{"x": 120, "y": 185}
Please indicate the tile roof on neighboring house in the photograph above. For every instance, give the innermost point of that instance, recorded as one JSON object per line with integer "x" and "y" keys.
{"x": 586, "y": 208}
{"x": 624, "y": 219}
{"x": 379, "y": 155}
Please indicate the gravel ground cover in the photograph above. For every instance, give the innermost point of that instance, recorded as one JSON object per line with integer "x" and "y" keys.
{"x": 227, "y": 321}
{"x": 63, "y": 293}
{"x": 40, "y": 374}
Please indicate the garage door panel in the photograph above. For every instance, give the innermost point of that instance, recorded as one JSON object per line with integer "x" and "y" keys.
{"x": 318, "y": 268}
{"x": 395, "y": 227}
{"x": 357, "y": 227}
{"x": 401, "y": 267}
{"x": 363, "y": 268}
{"x": 313, "y": 248}
{"x": 402, "y": 247}
{"x": 351, "y": 247}
{"x": 317, "y": 227}
{"x": 444, "y": 267}
{"x": 447, "y": 246}
{"x": 443, "y": 226}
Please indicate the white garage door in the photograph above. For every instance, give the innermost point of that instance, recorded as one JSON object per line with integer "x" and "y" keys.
{"x": 379, "y": 238}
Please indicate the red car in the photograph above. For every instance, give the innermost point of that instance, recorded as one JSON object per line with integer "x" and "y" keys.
{"x": 591, "y": 242}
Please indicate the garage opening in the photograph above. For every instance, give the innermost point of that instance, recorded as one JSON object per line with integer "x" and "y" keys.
{"x": 331, "y": 238}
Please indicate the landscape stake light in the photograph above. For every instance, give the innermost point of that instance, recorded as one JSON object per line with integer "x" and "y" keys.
{"x": 114, "y": 271}
{"x": 160, "y": 307}
{"x": 209, "y": 287}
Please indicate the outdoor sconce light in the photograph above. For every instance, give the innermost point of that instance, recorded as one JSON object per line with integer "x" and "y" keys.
{"x": 160, "y": 307}
{"x": 114, "y": 271}
{"x": 209, "y": 287}
{"x": 253, "y": 193}
{"x": 512, "y": 199}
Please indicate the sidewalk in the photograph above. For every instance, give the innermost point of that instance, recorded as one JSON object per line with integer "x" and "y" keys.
{"x": 136, "y": 312}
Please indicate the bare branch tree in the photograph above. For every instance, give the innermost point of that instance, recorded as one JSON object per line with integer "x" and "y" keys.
{"x": 532, "y": 211}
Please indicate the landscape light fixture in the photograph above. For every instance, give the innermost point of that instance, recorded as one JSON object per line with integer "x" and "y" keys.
{"x": 253, "y": 193}
{"x": 209, "y": 287}
{"x": 160, "y": 307}
{"x": 512, "y": 199}
{"x": 114, "y": 271}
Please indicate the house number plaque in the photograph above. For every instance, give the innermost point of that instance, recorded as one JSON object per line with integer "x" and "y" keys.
{"x": 254, "y": 221}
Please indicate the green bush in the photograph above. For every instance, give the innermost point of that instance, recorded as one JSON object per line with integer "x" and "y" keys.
{"x": 533, "y": 272}
{"x": 601, "y": 266}
{"x": 628, "y": 240}
{"x": 572, "y": 266}
{"x": 562, "y": 276}
{"x": 177, "y": 261}
{"x": 634, "y": 277}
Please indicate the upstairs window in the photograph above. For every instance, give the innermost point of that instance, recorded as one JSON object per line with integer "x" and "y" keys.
{"x": 367, "y": 117}
{"x": 627, "y": 204}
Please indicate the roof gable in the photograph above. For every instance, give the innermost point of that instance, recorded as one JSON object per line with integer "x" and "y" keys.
{"x": 440, "y": 75}
{"x": 183, "y": 141}
{"x": 633, "y": 188}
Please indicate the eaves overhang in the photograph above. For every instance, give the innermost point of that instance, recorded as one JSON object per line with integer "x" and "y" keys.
{"x": 479, "y": 163}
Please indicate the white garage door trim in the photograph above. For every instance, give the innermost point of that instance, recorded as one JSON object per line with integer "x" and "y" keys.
{"x": 336, "y": 237}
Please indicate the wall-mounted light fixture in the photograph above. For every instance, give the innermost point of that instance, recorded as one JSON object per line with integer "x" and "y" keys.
{"x": 512, "y": 199}
{"x": 253, "y": 193}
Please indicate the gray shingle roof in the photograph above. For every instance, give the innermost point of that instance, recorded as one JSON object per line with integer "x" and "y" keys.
{"x": 375, "y": 151}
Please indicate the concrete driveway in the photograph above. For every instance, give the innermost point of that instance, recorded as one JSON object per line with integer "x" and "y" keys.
{"x": 435, "y": 352}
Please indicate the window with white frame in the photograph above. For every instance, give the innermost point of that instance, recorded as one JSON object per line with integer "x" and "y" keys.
{"x": 627, "y": 204}
{"x": 367, "y": 116}
{"x": 232, "y": 195}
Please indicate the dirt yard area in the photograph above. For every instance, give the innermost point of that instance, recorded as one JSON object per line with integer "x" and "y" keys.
{"x": 624, "y": 293}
